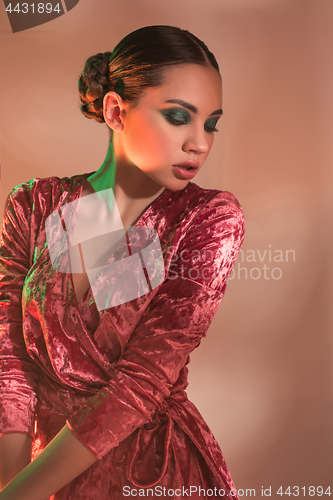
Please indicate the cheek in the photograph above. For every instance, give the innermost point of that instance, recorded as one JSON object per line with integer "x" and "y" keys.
{"x": 149, "y": 140}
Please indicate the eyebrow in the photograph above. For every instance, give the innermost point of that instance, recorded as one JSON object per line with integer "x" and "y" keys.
{"x": 192, "y": 108}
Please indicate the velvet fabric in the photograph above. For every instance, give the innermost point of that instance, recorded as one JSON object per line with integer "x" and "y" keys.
{"x": 116, "y": 377}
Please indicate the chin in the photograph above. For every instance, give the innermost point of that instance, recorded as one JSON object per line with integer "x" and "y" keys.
{"x": 177, "y": 184}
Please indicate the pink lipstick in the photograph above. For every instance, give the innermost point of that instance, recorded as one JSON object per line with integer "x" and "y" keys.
{"x": 186, "y": 169}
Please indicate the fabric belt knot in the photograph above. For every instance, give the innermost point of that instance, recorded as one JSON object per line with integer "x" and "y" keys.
{"x": 149, "y": 454}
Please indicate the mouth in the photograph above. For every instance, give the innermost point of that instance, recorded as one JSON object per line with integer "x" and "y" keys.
{"x": 188, "y": 165}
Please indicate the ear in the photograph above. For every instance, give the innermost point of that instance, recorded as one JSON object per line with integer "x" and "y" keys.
{"x": 113, "y": 105}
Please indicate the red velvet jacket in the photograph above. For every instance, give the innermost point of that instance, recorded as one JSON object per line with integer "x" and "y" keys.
{"x": 117, "y": 377}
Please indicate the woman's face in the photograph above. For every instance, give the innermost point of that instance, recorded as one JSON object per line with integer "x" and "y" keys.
{"x": 173, "y": 124}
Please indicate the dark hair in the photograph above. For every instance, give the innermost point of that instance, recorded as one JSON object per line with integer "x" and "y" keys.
{"x": 137, "y": 62}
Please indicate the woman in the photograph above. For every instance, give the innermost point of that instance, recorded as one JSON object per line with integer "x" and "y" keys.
{"x": 94, "y": 362}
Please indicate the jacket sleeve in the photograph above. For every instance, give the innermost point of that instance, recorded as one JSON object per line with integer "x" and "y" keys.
{"x": 17, "y": 370}
{"x": 177, "y": 318}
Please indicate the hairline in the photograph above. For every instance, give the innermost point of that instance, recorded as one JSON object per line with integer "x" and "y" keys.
{"x": 162, "y": 69}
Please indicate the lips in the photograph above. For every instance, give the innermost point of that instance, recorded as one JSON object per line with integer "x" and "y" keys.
{"x": 180, "y": 172}
{"x": 188, "y": 165}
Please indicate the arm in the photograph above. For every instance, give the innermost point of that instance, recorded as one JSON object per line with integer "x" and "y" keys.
{"x": 64, "y": 458}
{"x": 15, "y": 454}
{"x": 17, "y": 371}
{"x": 18, "y": 377}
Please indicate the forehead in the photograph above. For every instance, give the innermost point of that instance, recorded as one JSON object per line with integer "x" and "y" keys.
{"x": 194, "y": 83}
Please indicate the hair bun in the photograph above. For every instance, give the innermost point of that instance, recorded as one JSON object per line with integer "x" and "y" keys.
{"x": 94, "y": 84}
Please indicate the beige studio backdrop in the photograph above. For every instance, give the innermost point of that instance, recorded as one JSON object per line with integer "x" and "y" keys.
{"x": 262, "y": 378}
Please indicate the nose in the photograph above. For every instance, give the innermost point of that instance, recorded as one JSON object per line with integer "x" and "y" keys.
{"x": 197, "y": 141}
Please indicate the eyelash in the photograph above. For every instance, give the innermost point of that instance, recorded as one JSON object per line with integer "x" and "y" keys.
{"x": 211, "y": 129}
{"x": 176, "y": 122}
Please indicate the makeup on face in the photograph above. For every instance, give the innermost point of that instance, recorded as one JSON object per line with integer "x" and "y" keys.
{"x": 180, "y": 116}
{"x": 183, "y": 172}
{"x": 169, "y": 133}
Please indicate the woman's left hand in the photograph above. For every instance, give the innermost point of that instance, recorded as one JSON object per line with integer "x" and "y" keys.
{"x": 61, "y": 461}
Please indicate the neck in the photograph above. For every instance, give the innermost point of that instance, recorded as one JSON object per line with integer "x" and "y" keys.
{"x": 104, "y": 178}
{"x": 131, "y": 186}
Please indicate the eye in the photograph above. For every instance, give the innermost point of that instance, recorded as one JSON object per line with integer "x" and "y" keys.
{"x": 176, "y": 116}
{"x": 210, "y": 125}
